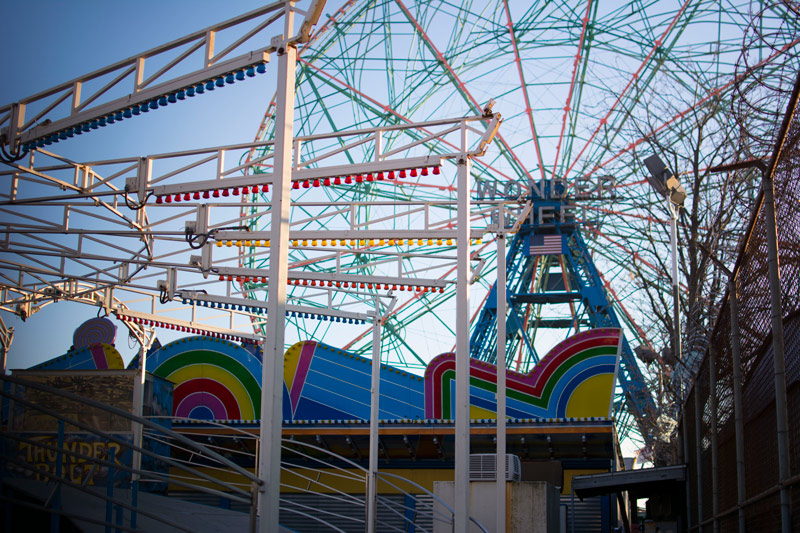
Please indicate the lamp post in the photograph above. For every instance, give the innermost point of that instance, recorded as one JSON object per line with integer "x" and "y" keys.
{"x": 667, "y": 184}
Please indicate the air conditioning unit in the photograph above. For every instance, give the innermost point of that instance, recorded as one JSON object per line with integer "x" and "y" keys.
{"x": 482, "y": 467}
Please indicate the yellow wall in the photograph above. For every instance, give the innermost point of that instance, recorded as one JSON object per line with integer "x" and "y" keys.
{"x": 567, "y": 488}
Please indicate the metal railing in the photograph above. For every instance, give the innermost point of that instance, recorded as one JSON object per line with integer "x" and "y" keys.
{"x": 327, "y": 468}
{"x": 20, "y": 446}
{"x": 221, "y": 468}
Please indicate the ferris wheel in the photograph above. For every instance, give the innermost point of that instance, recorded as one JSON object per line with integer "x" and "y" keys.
{"x": 586, "y": 91}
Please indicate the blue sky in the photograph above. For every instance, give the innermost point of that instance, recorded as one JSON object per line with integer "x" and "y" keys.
{"x": 49, "y": 42}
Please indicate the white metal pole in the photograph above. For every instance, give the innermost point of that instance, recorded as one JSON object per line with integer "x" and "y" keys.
{"x": 461, "y": 492}
{"x": 676, "y": 309}
{"x": 6, "y": 338}
{"x": 138, "y": 406}
{"x": 374, "y": 414}
{"x": 501, "y": 376}
{"x": 272, "y": 367}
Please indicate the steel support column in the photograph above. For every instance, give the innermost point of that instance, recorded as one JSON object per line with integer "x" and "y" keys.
{"x": 685, "y": 458}
{"x": 738, "y": 409}
{"x": 463, "y": 272}
{"x": 712, "y": 382}
{"x": 778, "y": 351}
{"x": 501, "y": 377}
{"x": 374, "y": 414}
{"x": 272, "y": 367}
{"x": 146, "y": 339}
{"x": 6, "y": 338}
{"x": 698, "y": 449}
{"x": 138, "y": 409}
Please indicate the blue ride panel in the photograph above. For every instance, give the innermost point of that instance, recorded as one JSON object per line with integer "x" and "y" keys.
{"x": 325, "y": 383}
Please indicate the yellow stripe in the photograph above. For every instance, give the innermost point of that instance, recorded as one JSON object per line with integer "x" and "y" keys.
{"x": 113, "y": 358}
{"x": 592, "y": 397}
{"x": 480, "y": 412}
{"x": 290, "y": 362}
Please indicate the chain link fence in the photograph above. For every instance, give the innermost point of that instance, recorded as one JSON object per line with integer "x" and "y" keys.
{"x": 709, "y": 423}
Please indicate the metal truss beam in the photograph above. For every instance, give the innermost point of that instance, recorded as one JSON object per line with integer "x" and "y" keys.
{"x": 353, "y": 234}
{"x": 128, "y": 87}
{"x": 334, "y": 277}
{"x": 172, "y": 323}
{"x": 80, "y": 230}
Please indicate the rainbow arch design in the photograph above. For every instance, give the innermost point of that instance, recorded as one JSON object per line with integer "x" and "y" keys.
{"x": 574, "y": 379}
{"x": 214, "y": 379}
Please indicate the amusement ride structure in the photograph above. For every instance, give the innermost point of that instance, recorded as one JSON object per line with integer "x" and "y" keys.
{"x": 361, "y": 200}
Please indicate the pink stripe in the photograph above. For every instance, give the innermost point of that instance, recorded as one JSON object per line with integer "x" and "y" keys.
{"x": 205, "y": 399}
{"x": 303, "y": 365}
{"x": 99, "y": 356}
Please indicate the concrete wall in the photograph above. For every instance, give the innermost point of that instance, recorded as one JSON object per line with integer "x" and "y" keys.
{"x": 531, "y": 506}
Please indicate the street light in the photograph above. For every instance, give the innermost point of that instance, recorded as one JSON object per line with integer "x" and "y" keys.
{"x": 667, "y": 184}
{"x": 664, "y": 181}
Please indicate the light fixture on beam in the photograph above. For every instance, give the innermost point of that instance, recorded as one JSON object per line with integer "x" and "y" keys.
{"x": 664, "y": 181}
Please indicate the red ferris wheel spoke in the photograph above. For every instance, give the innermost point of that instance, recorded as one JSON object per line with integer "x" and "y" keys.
{"x": 327, "y": 25}
{"x": 628, "y": 251}
{"x": 459, "y": 83}
{"x": 387, "y": 108}
{"x": 717, "y": 91}
{"x": 610, "y": 289}
{"x": 524, "y": 88}
{"x": 658, "y": 42}
{"x": 578, "y": 57}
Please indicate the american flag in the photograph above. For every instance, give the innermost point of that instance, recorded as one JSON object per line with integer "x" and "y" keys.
{"x": 546, "y": 244}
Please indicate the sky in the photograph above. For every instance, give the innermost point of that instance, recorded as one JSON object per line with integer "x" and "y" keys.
{"x": 51, "y": 42}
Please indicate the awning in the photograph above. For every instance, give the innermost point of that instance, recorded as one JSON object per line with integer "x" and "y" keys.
{"x": 642, "y": 482}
